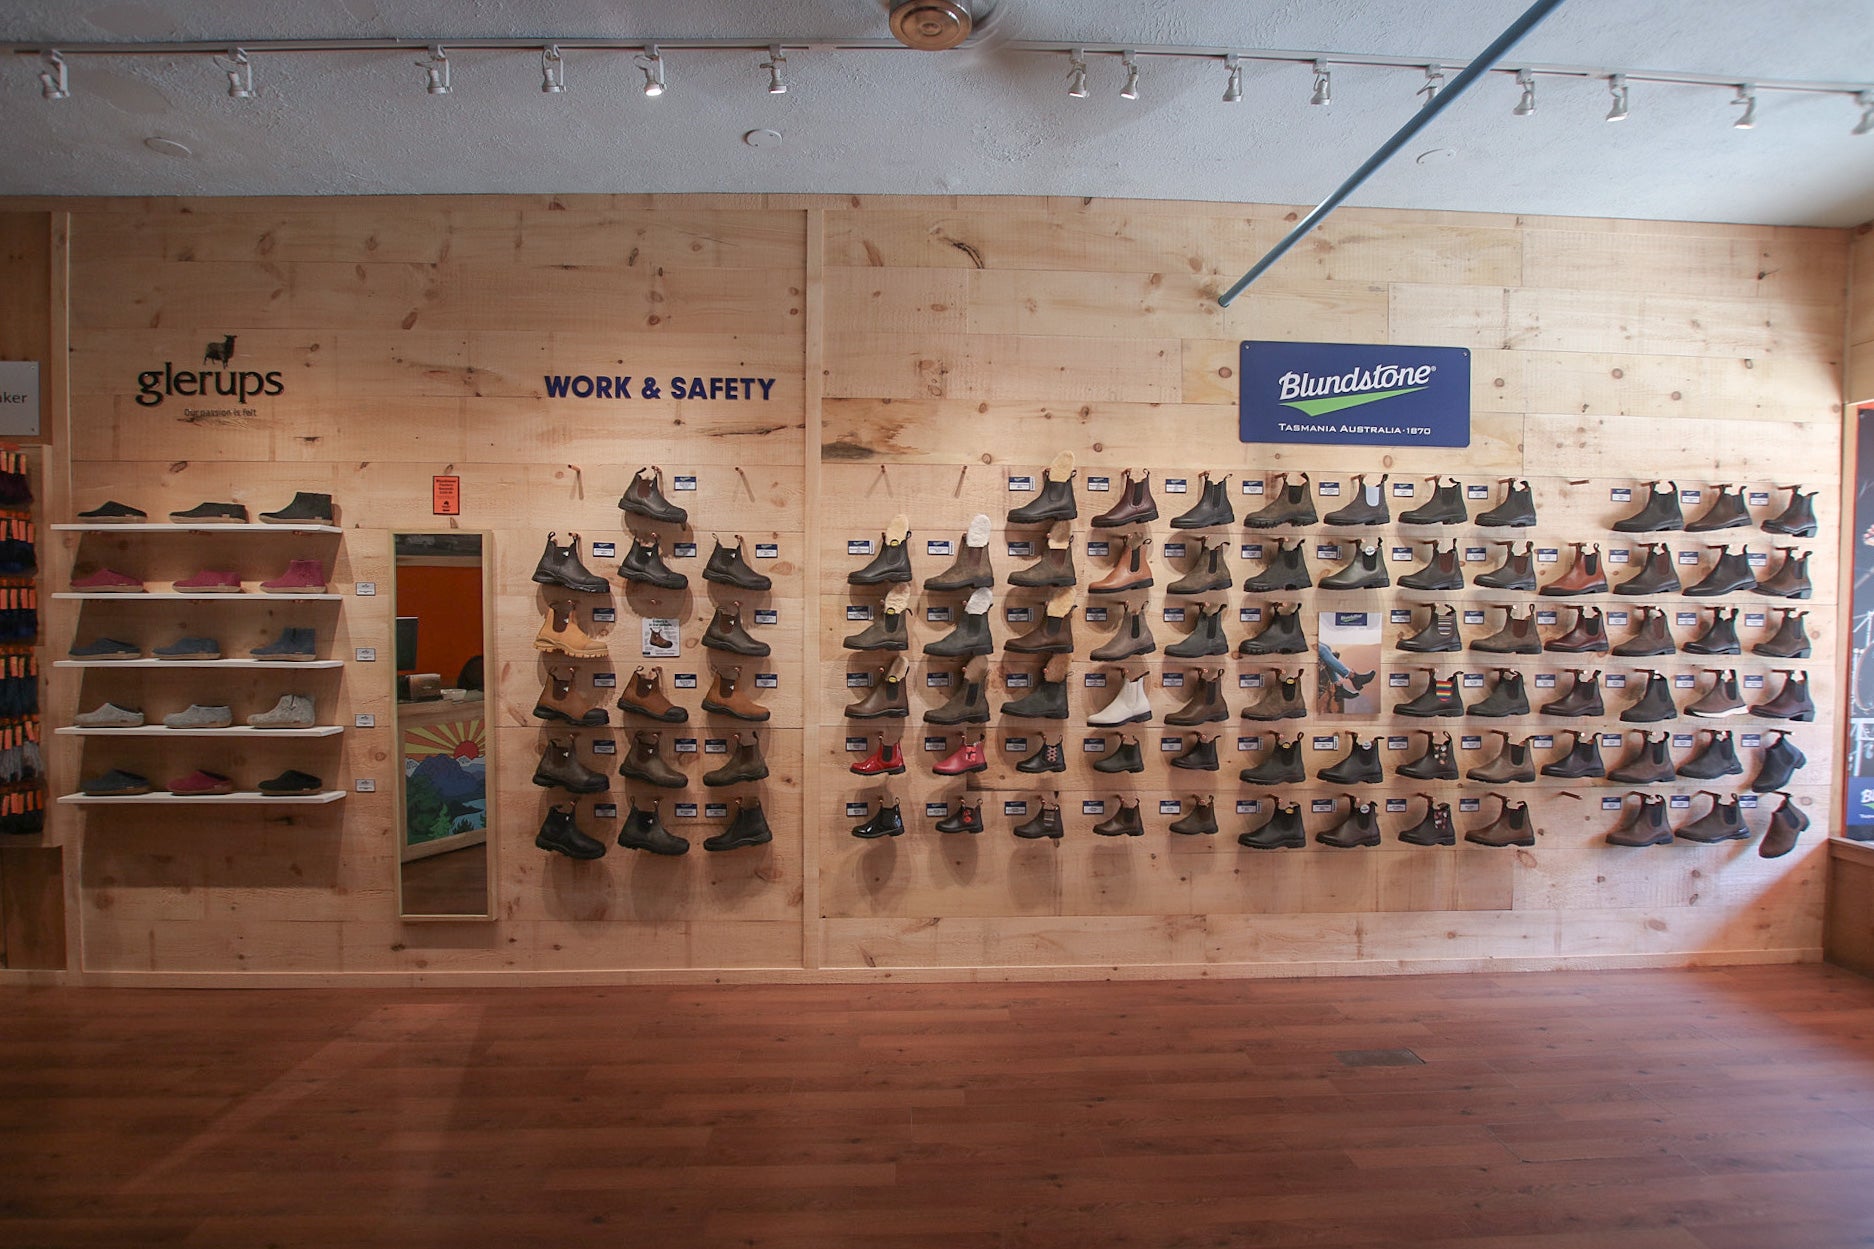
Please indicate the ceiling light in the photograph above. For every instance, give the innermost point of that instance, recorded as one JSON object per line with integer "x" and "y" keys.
{"x": 1866, "y": 125}
{"x": 552, "y": 70}
{"x": 1527, "y": 104}
{"x": 775, "y": 63}
{"x": 1323, "y": 85}
{"x": 240, "y": 72}
{"x": 652, "y": 63}
{"x": 1617, "y": 87}
{"x": 52, "y": 78}
{"x": 1434, "y": 81}
{"x": 1077, "y": 73}
{"x": 436, "y": 71}
{"x": 1131, "y": 90}
{"x": 1747, "y": 96}
{"x": 1233, "y": 92}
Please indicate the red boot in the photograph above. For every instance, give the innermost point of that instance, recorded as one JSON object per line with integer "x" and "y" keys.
{"x": 887, "y": 759}
{"x": 969, "y": 757}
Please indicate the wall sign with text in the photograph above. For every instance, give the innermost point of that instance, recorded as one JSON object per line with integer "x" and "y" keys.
{"x": 1351, "y": 394}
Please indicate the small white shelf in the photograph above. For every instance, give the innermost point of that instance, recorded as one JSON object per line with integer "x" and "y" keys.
{"x": 198, "y": 663}
{"x": 241, "y": 798}
{"x": 146, "y": 596}
{"x": 157, "y": 527}
{"x": 242, "y": 730}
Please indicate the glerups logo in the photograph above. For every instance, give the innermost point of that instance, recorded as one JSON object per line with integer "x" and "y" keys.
{"x": 240, "y": 385}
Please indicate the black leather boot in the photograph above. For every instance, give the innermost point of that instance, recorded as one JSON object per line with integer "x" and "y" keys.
{"x": 645, "y": 565}
{"x": 1651, "y": 638}
{"x": 1282, "y": 635}
{"x": 1508, "y": 698}
{"x": 1654, "y": 703}
{"x": 1367, "y": 507}
{"x": 1719, "y": 637}
{"x": 1435, "y": 829}
{"x": 1124, "y": 757}
{"x": 891, "y": 564}
{"x": 1518, "y": 636}
{"x": 1046, "y": 823}
{"x": 1046, "y": 701}
{"x": 1724, "y": 822}
{"x": 969, "y": 636}
{"x": 1123, "y": 822}
{"x": 1133, "y": 637}
{"x": 1284, "y": 569}
{"x": 1205, "y": 638}
{"x": 1281, "y": 766}
{"x": 967, "y": 819}
{"x": 561, "y": 565}
{"x": 1588, "y": 635}
{"x": 1440, "y": 572}
{"x": 1656, "y": 576}
{"x": 1731, "y": 572}
{"x": 1796, "y": 520}
{"x": 1359, "y": 766}
{"x": 1516, "y": 572}
{"x": 1510, "y": 828}
{"x": 1365, "y": 571}
{"x": 1651, "y": 764}
{"x": 644, "y": 497}
{"x": 1438, "y": 762}
{"x": 644, "y": 830}
{"x": 1201, "y": 822}
{"x": 1438, "y": 698}
{"x": 727, "y": 566}
{"x": 1791, "y": 639}
{"x": 1517, "y": 511}
{"x": 1359, "y": 829}
{"x": 885, "y": 822}
{"x": 1054, "y": 502}
{"x": 559, "y": 834}
{"x": 1283, "y": 830}
{"x": 1727, "y": 511}
{"x": 1051, "y": 757}
{"x": 1208, "y": 572}
{"x": 1582, "y": 760}
{"x": 1445, "y": 507}
{"x": 1512, "y": 766}
{"x": 1582, "y": 699}
{"x": 1646, "y": 826}
{"x": 887, "y": 633}
{"x": 1791, "y": 702}
{"x": 1781, "y": 760}
{"x": 749, "y": 827}
{"x": 1199, "y": 756}
{"x": 1440, "y": 634}
{"x": 1292, "y": 505}
{"x": 1786, "y": 825}
{"x": 1659, "y": 514}
{"x": 1718, "y": 758}
{"x": 1212, "y": 506}
{"x": 1791, "y": 579}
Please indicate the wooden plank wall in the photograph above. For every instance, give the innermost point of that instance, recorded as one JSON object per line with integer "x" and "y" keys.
{"x": 962, "y": 342}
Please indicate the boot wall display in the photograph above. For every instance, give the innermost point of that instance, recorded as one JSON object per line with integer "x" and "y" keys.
{"x": 1535, "y": 603}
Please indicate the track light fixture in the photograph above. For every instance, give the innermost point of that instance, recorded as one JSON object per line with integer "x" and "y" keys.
{"x": 1323, "y": 84}
{"x": 1131, "y": 90}
{"x": 1434, "y": 82}
{"x": 52, "y": 82}
{"x": 1233, "y": 90}
{"x": 775, "y": 63}
{"x": 1617, "y": 87}
{"x": 651, "y": 61}
{"x": 240, "y": 72}
{"x": 1866, "y": 125}
{"x": 552, "y": 70}
{"x": 1747, "y": 96}
{"x": 1526, "y": 105}
{"x": 1077, "y": 73}
{"x": 436, "y": 71}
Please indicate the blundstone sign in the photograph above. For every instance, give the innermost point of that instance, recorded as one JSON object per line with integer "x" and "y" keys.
{"x": 1351, "y": 394}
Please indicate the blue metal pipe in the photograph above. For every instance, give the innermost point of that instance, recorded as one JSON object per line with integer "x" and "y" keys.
{"x": 1482, "y": 65}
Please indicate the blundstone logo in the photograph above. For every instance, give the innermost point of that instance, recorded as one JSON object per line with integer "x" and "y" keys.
{"x": 1319, "y": 395}
{"x": 155, "y": 385}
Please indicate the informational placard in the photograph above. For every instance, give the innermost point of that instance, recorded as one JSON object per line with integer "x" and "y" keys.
{"x": 1355, "y": 395}
{"x": 19, "y": 397}
{"x": 445, "y": 496}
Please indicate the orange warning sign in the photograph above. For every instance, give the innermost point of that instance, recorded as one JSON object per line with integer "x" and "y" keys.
{"x": 446, "y": 496}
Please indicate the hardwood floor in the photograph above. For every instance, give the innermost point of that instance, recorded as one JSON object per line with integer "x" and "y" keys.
{"x": 1729, "y": 1109}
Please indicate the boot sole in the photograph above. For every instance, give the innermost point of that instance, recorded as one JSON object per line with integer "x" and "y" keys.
{"x": 1121, "y": 589}
{"x": 1050, "y": 583}
{"x": 719, "y": 782}
{"x": 1219, "y": 717}
{"x": 110, "y": 589}
{"x": 1141, "y": 718}
{"x": 1050, "y": 649}
{"x": 1804, "y": 653}
{"x": 951, "y": 587}
{"x": 897, "y": 771}
{"x": 676, "y": 715}
{"x": 740, "y": 585}
{"x": 740, "y": 844}
{"x": 1107, "y": 657}
{"x": 878, "y": 646}
{"x": 763, "y": 653}
{"x": 541, "y": 712}
{"x": 549, "y": 649}
{"x": 1499, "y": 845}
{"x": 542, "y": 843}
{"x": 981, "y": 767}
{"x": 661, "y": 585}
{"x": 291, "y": 589}
{"x": 544, "y": 783}
{"x": 1285, "y": 844}
{"x": 638, "y": 845}
{"x": 682, "y": 782}
{"x": 721, "y": 710}
{"x": 895, "y": 713}
{"x": 1665, "y": 839}
{"x": 185, "y": 658}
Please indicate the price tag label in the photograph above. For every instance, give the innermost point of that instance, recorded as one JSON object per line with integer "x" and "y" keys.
{"x": 1542, "y": 741}
{"x": 1470, "y": 742}
{"x": 365, "y": 654}
{"x": 1609, "y": 804}
{"x": 1015, "y": 746}
{"x": 1174, "y": 614}
{"x": 1019, "y": 680}
{"x": 1251, "y": 550}
{"x": 858, "y": 612}
{"x": 1684, "y": 681}
{"x": 1750, "y": 739}
{"x": 1611, "y": 740}
{"x": 684, "y": 810}
{"x": 1174, "y": 550}
{"x": 684, "y": 745}
{"x": 1176, "y": 485}
{"x": 1018, "y": 807}
{"x": 1681, "y": 741}
{"x": 1399, "y": 615}
{"x": 1473, "y": 680}
{"x": 366, "y": 589}
{"x": 1757, "y": 559}
{"x": 1616, "y": 681}
{"x": 858, "y": 546}
{"x": 939, "y": 615}
{"x": 1253, "y": 487}
{"x": 604, "y": 615}
{"x": 1753, "y": 680}
{"x": 858, "y": 680}
{"x": 1547, "y": 555}
{"x": 1330, "y": 490}
{"x": 1092, "y": 806}
{"x": 1621, "y": 494}
{"x": 1757, "y": 498}
{"x": 1247, "y": 744}
{"x": 1093, "y": 745}
{"x": 1398, "y": 743}
{"x": 1688, "y": 557}
{"x": 1470, "y": 804}
{"x": 683, "y": 680}
{"x": 604, "y": 680}
{"x": 1325, "y": 743}
{"x": 1170, "y": 745}
{"x": 1169, "y": 806}
{"x": 1545, "y": 680}
{"x": 1020, "y": 615}
{"x": 1095, "y": 680}
{"x": 858, "y": 810}
{"x": 683, "y": 481}
{"x": 1320, "y": 806}
{"x": 1619, "y": 555}
{"x": 1473, "y": 617}
{"x": 1400, "y": 554}
{"x": 1395, "y": 805}
{"x": 1099, "y": 548}
{"x": 1172, "y": 680}
{"x": 1096, "y": 615}
{"x": 1248, "y": 806}
{"x": 1249, "y": 680}
{"x": 1327, "y": 550}
{"x": 1398, "y": 680}
{"x": 1756, "y": 619}
{"x": 939, "y": 546}
{"x": 1679, "y": 802}
{"x": 604, "y": 810}
{"x": 364, "y": 785}
{"x": 1685, "y": 618}
{"x": 1099, "y": 485}
{"x": 1474, "y": 554}
{"x": 936, "y": 810}
{"x": 936, "y": 680}
{"x": 715, "y": 810}
{"x": 1021, "y": 485}
{"x": 683, "y": 550}
{"x": 855, "y": 745}
{"x": 1617, "y": 618}
{"x": 1545, "y": 618}
{"x": 1402, "y": 490}
{"x": 1477, "y": 492}
{"x": 604, "y": 550}
{"x": 364, "y": 720}
{"x": 1021, "y": 550}
{"x": 1690, "y": 496}
{"x": 1747, "y": 801}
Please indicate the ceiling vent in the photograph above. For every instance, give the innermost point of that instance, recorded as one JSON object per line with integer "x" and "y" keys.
{"x": 932, "y": 25}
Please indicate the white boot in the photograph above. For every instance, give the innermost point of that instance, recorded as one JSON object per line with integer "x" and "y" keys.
{"x": 1129, "y": 708}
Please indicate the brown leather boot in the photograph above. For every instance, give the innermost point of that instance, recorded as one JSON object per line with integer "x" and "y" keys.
{"x": 645, "y": 762}
{"x": 1132, "y": 637}
{"x": 1516, "y": 572}
{"x": 1206, "y": 704}
{"x": 744, "y": 765}
{"x": 1510, "y": 828}
{"x": 728, "y": 698}
{"x": 726, "y": 633}
{"x": 1511, "y": 766}
{"x": 884, "y": 699}
{"x": 557, "y": 703}
{"x": 1131, "y": 571}
{"x": 1584, "y": 576}
{"x": 1791, "y": 579}
{"x": 1054, "y": 568}
{"x": 1280, "y": 700}
{"x": 1651, "y": 638}
{"x": 1053, "y": 635}
{"x": 1135, "y": 506}
{"x": 560, "y": 632}
{"x": 1518, "y": 636}
{"x": 643, "y": 695}
{"x": 1588, "y": 633}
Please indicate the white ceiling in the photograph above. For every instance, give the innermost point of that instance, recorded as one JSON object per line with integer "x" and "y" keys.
{"x": 969, "y": 122}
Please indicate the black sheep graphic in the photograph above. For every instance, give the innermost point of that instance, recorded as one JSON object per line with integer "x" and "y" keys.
{"x": 219, "y": 353}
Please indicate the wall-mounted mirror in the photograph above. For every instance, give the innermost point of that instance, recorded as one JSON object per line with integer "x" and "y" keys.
{"x": 445, "y": 867}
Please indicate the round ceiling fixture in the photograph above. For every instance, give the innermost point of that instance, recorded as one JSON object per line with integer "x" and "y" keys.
{"x": 932, "y": 25}
{"x": 167, "y": 147}
{"x": 762, "y": 138}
